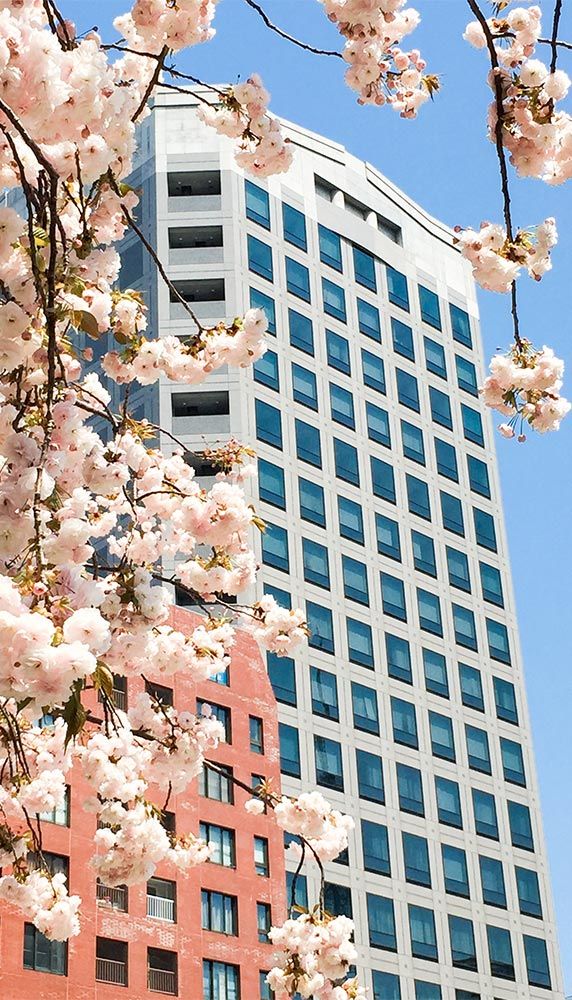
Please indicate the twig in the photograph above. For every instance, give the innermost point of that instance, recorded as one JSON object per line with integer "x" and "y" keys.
{"x": 555, "y": 42}
{"x": 554, "y": 37}
{"x": 290, "y": 38}
{"x": 152, "y": 82}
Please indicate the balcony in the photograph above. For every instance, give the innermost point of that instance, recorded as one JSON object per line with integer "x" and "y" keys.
{"x": 194, "y": 191}
{"x": 109, "y": 971}
{"x": 162, "y": 981}
{"x": 161, "y": 909}
{"x": 112, "y": 897}
{"x": 195, "y": 245}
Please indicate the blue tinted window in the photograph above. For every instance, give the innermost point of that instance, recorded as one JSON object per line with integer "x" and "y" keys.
{"x": 463, "y": 944}
{"x": 304, "y": 388}
{"x": 338, "y": 351}
{"x": 289, "y": 750}
{"x": 257, "y": 204}
{"x": 491, "y": 584}
{"x": 381, "y": 921}
{"x": 368, "y": 320}
{"x": 364, "y": 705}
{"x": 375, "y": 848}
{"x": 404, "y": 723}
{"x": 520, "y": 826}
{"x": 271, "y": 487}
{"x": 410, "y": 790}
{"x": 505, "y": 700}
{"x": 324, "y": 688}
{"x": 452, "y": 513}
{"x": 529, "y": 901}
{"x": 268, "y": 424}
{"x": 448, "y": 803}
{"x": 446, "y": 460}
{"x": 342, "y": 406}
{"x": 442, "y": 738}
{"x": 393, "y": 596}
{"x": 485, "y": 810}
{"x": 472, "y": 425}
{"x": 461, "y": 326}
{"x": 430, "y": 311}
{"x": 312, "y": 506}
{"x": 397, "y": 288}
{"x": 455, "y": 871}
{"x": 354, "y": 576}
{"x": 330, "y": 248}
{"x": 478, "y": 476}
{"x": 402, "y": 336}
{"x": 282, "y": 597}
{"x": 423, "y": 553}
{"x": 429, "y": 608}
{"x": 497, "y": 636}
{"x": 350, "y": 520}
{"x": 485, "y": 529}
{"x": 458, "y": 569}
{"x": 413, "y": 444}
{"x": 308, "y": 447}
{"x": 418, "y": 497}
{"x": 387, "y": 533}
{"x": 492, "y": 882}
{"x": 275, "y": 547}
{"x": 364, "y": 268}
{"x": 512, "y": 762}
{"x": 500, "y": 953}
{"x": 427, "y": 991}
{"x": 373, "y": 371}
{"x": 435, "y": 670}
{"x": 383, "y": 480}
{"x": 407, "y": 390}
{"x": 334, "y": 300}
{"x": 316, "y": 564}
{"x": 346, "y": 462}
{"x": 398, "y": 658}
{"x": 466, "y": 375}
{"x": 385, "y": 986}
{"x": 435, "y": 358}
{"x": 282, "y": 674}
{"x": 294, "y": 226}
{"x": 321, "y": 627}
{"x": 360, "y": 642}
{"x": 478, "y": 749}
{"x": 378, "y": 425}
{"x": 471, "y": 687}
{"x": 296, "y": 891}
{"x": 416, "y": 858}
{"x": 298, "y": 279}
{"x": 370, "y": 776}
{"x": 328, "y": 758}
{"x": 266, "y": 370}
{"x": 301, "y": 332}
{"x": 258, "y": 300}
{"x": 440, "y": 408}
{"x": 260, "y": 258}
{"x": 423, "y": 934}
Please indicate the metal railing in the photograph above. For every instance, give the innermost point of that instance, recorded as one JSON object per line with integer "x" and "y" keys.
{"x": 114, "y": 896}
{"x": 161, "y": 908}
{"x": 161, "y": 981}
{"x": 109, "y": 971}
{"x": 119, "y": 699}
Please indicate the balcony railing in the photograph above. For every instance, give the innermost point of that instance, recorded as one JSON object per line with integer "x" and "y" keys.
{"x": 210, "y": 309}
{"x": 114, "y": 896}
{"x": 119, "y": 699}
{"x": 160, "y": 981}
{"x": 161, "y": 908}
{"x": 195, "y": 203}
{"x": 109, "y": 971}
{"x": 195, "y": 255}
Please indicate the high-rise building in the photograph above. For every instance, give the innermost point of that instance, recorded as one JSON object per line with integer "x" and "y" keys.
{"x": 378, "y": 480}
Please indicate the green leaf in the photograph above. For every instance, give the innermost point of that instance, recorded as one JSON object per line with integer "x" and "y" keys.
{"x": 103, "y": 679}
{"x": 74, "y": 714}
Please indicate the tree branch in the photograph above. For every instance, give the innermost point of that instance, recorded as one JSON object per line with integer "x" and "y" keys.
{"x": 290, "y": 38}
{"x": 553, "y": 40}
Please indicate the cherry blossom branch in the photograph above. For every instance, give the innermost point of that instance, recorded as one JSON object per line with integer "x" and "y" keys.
{"x": 152, "y": 83}
{"x": 553, "y": 40}
{"x": 290, "y": 38}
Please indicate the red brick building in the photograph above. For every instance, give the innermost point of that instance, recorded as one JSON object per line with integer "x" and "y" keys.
{"x": 201, "y": 936}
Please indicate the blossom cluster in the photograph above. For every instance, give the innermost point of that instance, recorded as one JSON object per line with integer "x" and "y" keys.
{"x": 311, "y": 817}
{"x": 379, "y": 70}
{"x": 315, "y": 953}
{"x": 497, "y": 260}
{"x": 525, "y": 385}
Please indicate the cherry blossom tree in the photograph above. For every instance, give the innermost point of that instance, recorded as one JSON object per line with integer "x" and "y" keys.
{"x": 71, "y": 617}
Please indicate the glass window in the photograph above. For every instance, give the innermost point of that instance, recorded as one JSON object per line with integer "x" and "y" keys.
{"x": 271, "y": 486}
{"x": 346, "y": 462}
{"x": 350, "y": 519}
{"x": 455, "y": 871}
{"x": 258, "y": 300}
{"x": 387, "y": 532}
{"x": 324, "y": 688}
{"x": 435, "y": 669}
{"x": 497, "y": 636}
{"x": 364, "y": 268}
{"x": 429, "y": 303}
{"x": 452, "y": 514}
{"x": 342, "y": 406}
{"x": 337, "y": 899}
{"x": 463, "y": 949}
{"x": 512, "y": 762}
{"x": 458, "y": 569}
{"x": 43, "y": 955}
{"x": 321, "y": 627}
{"x": 219, "y": 912}
{"x": 220, "y": 981}
{"x": 435, "y": 358}
{"x": 355, "y": 580}
{"x": 478, "y": 476}
{"x": 412, "y": 440}
{"x": 260, "y": 258}
{"x": 465, "y": 628}
{"x": 257, "y": 204}
{"x": 528, "y": 892}
{"x": 429, "y": 610}
{"x": 296, "y": 890}
{"x": 368, "y": 320}
{"x": 221, "y": 842}
{"x": 383, "y": 480}
{"x": 378, "y": 424}
{"x": 466, "y": 375}
{"x": 442, "y": 738}
{"x": 397, "y": 288}
{"x": 446, "y": 460}
{"x": 472, "y": 425}
{"x": 423, "y": 553}
{"x": 256, "y": 729}
{"x": 373, "y": 371}
{"x": 448, "y": 803}
{"x": 471, "y": 687}
{"x": 418, "y": 497}
{"x": 364, "y": 704}
{"x": 282, "y": 674}
{"x": 266, "y": 993}
{"x": 492, "y": 882}
{"x": 398, "y": 658}
{"x": 334, "y": 299}
{"x": 312, "y": 504}
{"x": 338, "y": 351}
{"x": 460, "y": 325}
{"x": 402, "y": 336}
{"x": 316, "y": 563}
{"x": 282, "y": 597}
{"x": 410, "y": 790}
{"x": 308, "y": 448}
{"x": 416, "y": 859}
{"x": 440, "y": 408}
{"x": 491, "y": 583}
{"x": 423, "y": 934}
{"x": 381, "y": 921}
{"x": 370, "y": 777}
{"x": 407, "y": 390}
{"x": 360, "y": 642}
{"x": 505, "y": 700}
{"x": 298, "y": 279}
{"x": 375, "y": 848}
{"x": 478, "y": 749}
{"x": 214, "y": 785}
{"x": 500, "y": 953}
{"x": 520, "y": 826}
{"x": 275, "y": 547}
{"x": 268, "y": 424}
{"x": 294, "y": 223}
{"x": 385, "y": 986}
{"x": 289, "y": 750}
{"x": 427, "y": 991}
{"x": 330, "y": 248}
{"x": 485, "y": 529}
{"x": 328, "y": 757}
{"x": 304, "y": 388}
{"x": 485, "y": 810}
{"x": 393, "y": 596}
{"x": 404, "y": 723}
{"x": 301, "y": 332}
{"x": 266, "y": 370}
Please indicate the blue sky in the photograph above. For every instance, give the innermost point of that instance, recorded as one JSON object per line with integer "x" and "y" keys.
{"x": 444, "y": 161}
